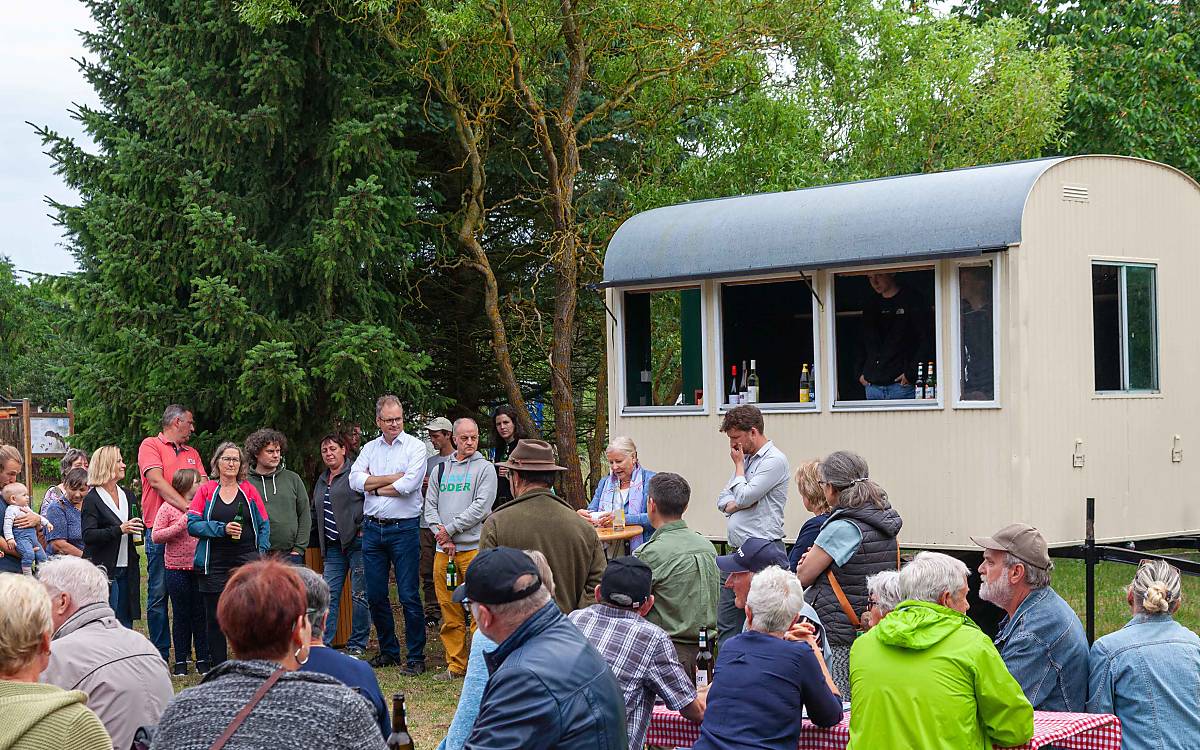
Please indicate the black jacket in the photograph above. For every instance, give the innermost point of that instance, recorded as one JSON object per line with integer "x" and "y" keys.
{"x": 895, "y": 337}
{"x": 347, "y": 507}
{"x": 549, "y": 688}
{"x": 102, "y": 540}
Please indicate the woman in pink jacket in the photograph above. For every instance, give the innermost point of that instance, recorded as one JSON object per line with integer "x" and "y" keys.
{"x": 183, "y": 585}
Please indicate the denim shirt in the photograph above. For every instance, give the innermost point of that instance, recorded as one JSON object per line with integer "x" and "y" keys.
{"x": 1148, "y": 674}
{"x": 1044, "y": 647}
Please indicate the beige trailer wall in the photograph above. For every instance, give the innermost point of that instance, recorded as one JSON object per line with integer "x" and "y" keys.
{"x": 1136, "y": 211}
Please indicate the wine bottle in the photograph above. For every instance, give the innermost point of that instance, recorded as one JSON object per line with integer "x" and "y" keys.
{"x": 805, "y": 385}
{"x": 920, "y": 384}
{"x": 752, "y": 384}
{"x": 734, "y": 398}
{"x": 704, "y": 660}
{"x": 399, "y": 739}
{"x": 930, "y": 383}
{"x": 742, "y": 395}
{"x": 451, "y": 574}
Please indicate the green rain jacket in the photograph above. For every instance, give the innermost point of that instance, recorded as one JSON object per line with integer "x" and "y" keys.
{"x": 927, "y": 678}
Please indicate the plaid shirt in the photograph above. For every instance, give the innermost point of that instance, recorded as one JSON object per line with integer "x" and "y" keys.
{"x": 643, "y": 660}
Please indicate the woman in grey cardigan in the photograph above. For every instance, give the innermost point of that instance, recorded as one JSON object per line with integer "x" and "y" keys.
{"x": 262, "y": 613}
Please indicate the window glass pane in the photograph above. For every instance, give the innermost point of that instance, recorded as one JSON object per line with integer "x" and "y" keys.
{"x": 663, "y": 364}
{"x": 771, "y": 325}
{"x": 1139, "y": 306}
{"x": 884, "y": 331}
{"x": 977, "y": 347}
{"x": 1106, "y": 326}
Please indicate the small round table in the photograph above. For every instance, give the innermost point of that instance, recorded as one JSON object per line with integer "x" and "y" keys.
{"x": 614, "y": 541}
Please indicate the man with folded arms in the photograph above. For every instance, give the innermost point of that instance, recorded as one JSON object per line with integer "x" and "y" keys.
{"x": 1041, "y": 639}
{"x": 639, "y": 652}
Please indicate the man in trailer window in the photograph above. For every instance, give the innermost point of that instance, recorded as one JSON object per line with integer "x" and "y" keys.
{"x": 895, "y": 338}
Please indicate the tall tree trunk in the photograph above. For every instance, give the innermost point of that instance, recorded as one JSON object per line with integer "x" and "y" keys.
{"x": 599, "y": 439}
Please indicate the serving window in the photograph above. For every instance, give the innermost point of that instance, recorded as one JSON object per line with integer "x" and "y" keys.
{"x": 885, "y": 335}
{"x": 1125, "y": 327}
{"x": 767, "y": 334}
{"x": 663, "y": 355}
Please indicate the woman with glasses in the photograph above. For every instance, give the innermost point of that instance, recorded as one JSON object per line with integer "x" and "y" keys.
{"x": 263, "y": 612}
{"x": 229, "y": 519}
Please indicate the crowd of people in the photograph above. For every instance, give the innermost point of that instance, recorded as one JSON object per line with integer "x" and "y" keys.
{"x": 556, "y": 645}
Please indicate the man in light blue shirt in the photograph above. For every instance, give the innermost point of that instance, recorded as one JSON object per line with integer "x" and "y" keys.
{"x": 752, "y": 501}
{"x": 389, "y": 472}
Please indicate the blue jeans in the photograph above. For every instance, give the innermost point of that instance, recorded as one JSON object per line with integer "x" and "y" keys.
{"x": 118, "y": 597}
{"x": 892, "y": 391}
{"x": 398, "y": 546}
{"x": 336, "y": 564}
{"x": 158, "y": 618}
{"x": 29, "y": 548}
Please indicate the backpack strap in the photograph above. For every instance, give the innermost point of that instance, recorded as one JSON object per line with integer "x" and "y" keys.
{"x": 841, "y": 595}
{"x": 246, "y": 709}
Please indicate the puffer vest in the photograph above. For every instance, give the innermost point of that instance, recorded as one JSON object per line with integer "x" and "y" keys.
{"x": 878, "y": 552}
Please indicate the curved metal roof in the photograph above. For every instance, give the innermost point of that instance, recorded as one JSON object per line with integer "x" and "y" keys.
{"x": 889, "y": 220}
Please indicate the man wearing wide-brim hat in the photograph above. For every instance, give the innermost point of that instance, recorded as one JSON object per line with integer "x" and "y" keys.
{"x": 538, "y": 519}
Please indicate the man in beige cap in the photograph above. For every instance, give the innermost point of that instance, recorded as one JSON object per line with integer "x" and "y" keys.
{"x": 439, "y": 429}
{"x": 1041, "y": 638}
{"x": 538, "y": 519}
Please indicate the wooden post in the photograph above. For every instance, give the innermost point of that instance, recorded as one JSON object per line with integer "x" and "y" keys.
{"x": 27, "y": 448}
{"x": 1089, "y": 562}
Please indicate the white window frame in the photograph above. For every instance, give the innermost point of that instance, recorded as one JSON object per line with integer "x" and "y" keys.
{"x": 838, "y": 405}
{"x": 956, "y": 332}
{"x": 719, "y": 351}
{"x": 1122, "y": 264}
{"x": 627, "y": 410}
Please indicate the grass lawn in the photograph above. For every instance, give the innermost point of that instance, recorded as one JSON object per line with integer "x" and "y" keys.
{"x": 431, "y": 704}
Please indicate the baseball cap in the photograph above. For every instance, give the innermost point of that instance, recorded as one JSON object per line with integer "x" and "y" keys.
{"x": 626, "y": 582}
{"x": 1021, "y": 541}
{"x": 440, "y": 423}
{"x": 754, "y": 555}
{"x": 492, "y": 575}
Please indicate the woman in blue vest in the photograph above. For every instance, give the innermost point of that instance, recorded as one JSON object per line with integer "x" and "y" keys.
{"x": 624, "y": 487}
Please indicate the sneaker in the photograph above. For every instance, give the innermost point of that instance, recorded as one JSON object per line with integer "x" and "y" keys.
{"x": 202, "y": 667}
{"x": 433, "y": 623}
{"x": 383, "y": 660}
{"x": 413, "y": 668}
{"x": 181, "y": 669}
{"x": 447, "y": 676}
{"x": 355, "y": 651}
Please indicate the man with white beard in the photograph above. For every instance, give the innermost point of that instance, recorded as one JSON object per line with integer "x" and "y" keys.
{"x": 1041, "y": 639}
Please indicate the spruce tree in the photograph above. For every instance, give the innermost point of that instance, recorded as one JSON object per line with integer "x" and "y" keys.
{"x": 244, "y": 231}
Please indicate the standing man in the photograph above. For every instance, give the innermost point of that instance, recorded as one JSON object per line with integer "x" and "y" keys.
{"x": 284, "y": 493}
{"x": 538, "y": 519}
{"x": 753, "y": 499}
{"x": 686, "y": 582}
{"x": 460, "y": 496}
{"x": 389, "y": 472}
{"x": 895, "y": 338}
{"x": 159, "y": 457}
{"x": 439, "y": 430}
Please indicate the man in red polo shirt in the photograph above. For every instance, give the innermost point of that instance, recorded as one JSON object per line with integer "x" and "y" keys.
{"x": 159, "y": 457}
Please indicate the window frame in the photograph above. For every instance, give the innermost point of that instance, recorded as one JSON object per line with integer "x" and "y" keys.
{"x": 1122, "y": 265}
{"x": 781, "y": 407}
{"x": 670, "y": 410}
{"x": 956, "y": 332}
{"x": 829, "y": 294}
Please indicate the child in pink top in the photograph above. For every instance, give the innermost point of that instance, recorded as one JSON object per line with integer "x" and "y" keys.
{"x": 187, "y": 608}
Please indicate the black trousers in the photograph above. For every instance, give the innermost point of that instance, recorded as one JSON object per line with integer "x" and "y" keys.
{"x": 218, "y": 651}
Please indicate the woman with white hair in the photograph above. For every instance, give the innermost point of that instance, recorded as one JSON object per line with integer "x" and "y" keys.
{"x": 36, "y": 715}
{"x": 1147, "y": 672}
{"x": 762, "y": 680}
{"x": 883, "y": 594}
{"x": 624, "y": 487}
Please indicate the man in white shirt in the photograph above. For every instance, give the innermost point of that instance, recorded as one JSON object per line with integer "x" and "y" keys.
{"x": 389, "y": 472}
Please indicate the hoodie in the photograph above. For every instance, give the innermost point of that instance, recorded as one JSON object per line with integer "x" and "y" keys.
{"x": 286, "y": 498}
{"x": 460, "y": 496}
{"x": 927, "y": 678}
{"x": 41, "y": 716}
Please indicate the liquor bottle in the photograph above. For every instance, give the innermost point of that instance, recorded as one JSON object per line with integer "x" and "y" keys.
{"x": 451, "y": 574}
{"x": 734, "y": 398}
{"x": 930, "y": 383}
{"x": 704, "y": 660}
{"x": 805, "y": 385}
{"x": 619, "y": 518}
{"x": 135, "y": 511}
{"x": 752, "y": 384}
{"x": 743, "y": 397}
{"x": 920, "y": 394}
{"x": 399, "y": 739}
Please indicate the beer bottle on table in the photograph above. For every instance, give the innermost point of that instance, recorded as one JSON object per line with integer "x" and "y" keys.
{"x": 399, "y": 739}
{"x": 734, "y": 398}
{"x": 920, "y": 384}
{"x": 752, "y": 384}
{"x": 704, "y": 661}
{"x": 930, "y": 383}
{"x": 805, "y": 385}
{"x": 451, "y": 574}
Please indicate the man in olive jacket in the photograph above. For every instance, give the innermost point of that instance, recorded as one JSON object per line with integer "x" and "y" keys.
{"x": 538, "y": 519}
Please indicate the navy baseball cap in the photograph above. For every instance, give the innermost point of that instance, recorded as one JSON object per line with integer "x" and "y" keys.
{"x": 493, "y": 574}
{"x": 754, "y": 555}
{"x": 626, "y": 582}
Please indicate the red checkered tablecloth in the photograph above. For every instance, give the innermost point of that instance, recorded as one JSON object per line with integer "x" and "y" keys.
{"x": 1070, "y": 731}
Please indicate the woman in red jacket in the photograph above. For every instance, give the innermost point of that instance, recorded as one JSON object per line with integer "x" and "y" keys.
{"x": 229, "y": 519}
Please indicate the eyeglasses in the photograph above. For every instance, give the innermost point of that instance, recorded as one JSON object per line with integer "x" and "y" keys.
{"x": 393, "y": 420}
{"x": 230, "y": 459}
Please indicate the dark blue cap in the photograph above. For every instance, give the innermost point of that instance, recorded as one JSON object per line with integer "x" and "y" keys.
{"x": 754, "y": 555}
{"x": 493, "y": 574}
